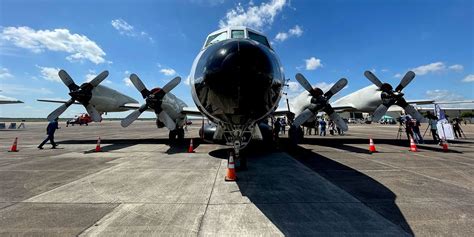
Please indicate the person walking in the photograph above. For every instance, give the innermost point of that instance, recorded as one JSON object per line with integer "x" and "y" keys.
{"x": 50, "y": 130}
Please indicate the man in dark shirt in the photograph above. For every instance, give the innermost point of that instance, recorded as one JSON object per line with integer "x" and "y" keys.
{"x": 50, "y": 130}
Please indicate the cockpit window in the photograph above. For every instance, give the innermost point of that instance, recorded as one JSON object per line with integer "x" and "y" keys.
{"x": 238, "y": 34}
{"x": 259, "y": 38}
{"x": 216, "y": 38}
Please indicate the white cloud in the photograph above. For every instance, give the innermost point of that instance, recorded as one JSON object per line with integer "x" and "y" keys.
{"x": 168, "y": 71}
{"x": 5, "y": 73}
{"x": 432, "y": 67}
{"x": 49, "y": 73}
{"x": 256, "y": 17}
{"x": 296, "y": 31}
{"x": 443, "y": 95}
{"x": 126, "y": 29}
{"x": 122, "y": 26}
{"x": 456, "y": 67}
{"x": 128, "y": 82}
{"x": 294, "y": 86}
{"x": 469, "y": 78}
{"x": 60, "y": 40}
{"x": 14, "y": 89}
{"x": 281, "y": 36}
{"x": 384, "y": 70}
{"x": 398, "y": 75}
{"x": 313, "y": 63}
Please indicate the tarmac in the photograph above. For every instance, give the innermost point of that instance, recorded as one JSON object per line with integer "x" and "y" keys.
{"x": 325, "y": 186}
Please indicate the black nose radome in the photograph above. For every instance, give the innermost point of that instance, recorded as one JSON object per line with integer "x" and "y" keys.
{"x": 238, "y": 80}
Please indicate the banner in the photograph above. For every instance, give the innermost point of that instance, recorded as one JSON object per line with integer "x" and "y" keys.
{"x": 440, "y": 114}
{"x": 445, "y": 131}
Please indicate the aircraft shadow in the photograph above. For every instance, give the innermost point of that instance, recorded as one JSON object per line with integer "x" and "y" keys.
{"x": 117, "y": 144}
{"x": 337, "y": 201}
{"x": 341, "y": 143}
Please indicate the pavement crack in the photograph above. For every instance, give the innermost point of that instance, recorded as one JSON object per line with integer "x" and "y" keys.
{"x": 209, "y": 199}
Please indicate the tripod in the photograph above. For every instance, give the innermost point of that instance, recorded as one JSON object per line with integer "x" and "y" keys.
{"x": 400, "y": 132}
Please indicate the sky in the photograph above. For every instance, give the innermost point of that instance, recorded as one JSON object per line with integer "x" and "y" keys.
{"x": 158, "y": 40}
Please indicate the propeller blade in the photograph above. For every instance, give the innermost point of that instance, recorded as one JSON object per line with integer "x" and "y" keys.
{"x": 336, "y": 88}
{"x": 303, "y": 117}
{"x": 139, "y": 85}
{"x": 413, "y": 112}
{"x": 92, "y": 111}
{"x": 379, "y": 112}
{"x": 303, "y": 82}
{"x": 99, "y": 78}
{"x": 338, "y": 121}
{"x": 67, "y": 80}
{"x": 405, "y": 81}
{"x": 57, "y": 112}
{"x": 171, "y": 84}
{"x": 167, "y": 120}
{"x": 133, "y": 116}
{"x": 373, "y": 78}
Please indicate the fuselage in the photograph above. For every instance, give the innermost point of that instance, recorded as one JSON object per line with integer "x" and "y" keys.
{"x": 236, "y": 81}
{"x": 106, "y": 99}
{"x": 366, "y": 99}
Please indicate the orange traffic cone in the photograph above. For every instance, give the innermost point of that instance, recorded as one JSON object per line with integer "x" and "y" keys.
{"x": 231, "y": 176}
{"x": 413, "y": 145}
{"x": 191, "y": 148}
{"x": 97, "y": 147}
{"x": 371, "y": 146}
{"x": 444, "y": 143}
{"x": 14, "y": 146}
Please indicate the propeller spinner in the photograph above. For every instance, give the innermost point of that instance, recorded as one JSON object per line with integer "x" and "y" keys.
{"x": 320, "y": 101}
{"x": 81, "y": 94}
{"x": 153, "y": 100}
{"x": 392, "y": 96}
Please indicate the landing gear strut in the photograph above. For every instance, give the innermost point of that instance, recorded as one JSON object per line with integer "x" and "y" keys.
{"x": 176, "y": 135}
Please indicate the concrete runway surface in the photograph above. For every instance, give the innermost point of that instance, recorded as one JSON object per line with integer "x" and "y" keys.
{"x": 326, "y": 186}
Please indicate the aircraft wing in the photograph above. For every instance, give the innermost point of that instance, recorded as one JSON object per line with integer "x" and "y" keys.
{"x": 343, "y": 108}
{"x": 131, "y": 106}
{"x": 56, "y": 101}
{"x": 193, "y": 111}
{"x": 8, "y": 100}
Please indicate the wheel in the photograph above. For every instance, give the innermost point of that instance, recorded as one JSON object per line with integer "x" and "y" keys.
{"x": 295, "y": 134}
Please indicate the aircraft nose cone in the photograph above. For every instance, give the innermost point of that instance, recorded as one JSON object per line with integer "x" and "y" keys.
{"x": 238, "y": 80}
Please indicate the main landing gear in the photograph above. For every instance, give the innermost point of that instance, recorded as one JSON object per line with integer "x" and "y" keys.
{"x": 176, "y": 135}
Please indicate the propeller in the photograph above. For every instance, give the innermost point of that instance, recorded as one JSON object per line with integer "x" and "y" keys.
{"x": 81, "y": 94}
{"x": 392, "y": 96}
{"x": 320, "y": 101}
{"x": 153, "y": 100}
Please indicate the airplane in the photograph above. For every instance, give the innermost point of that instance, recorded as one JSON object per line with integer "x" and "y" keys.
{"x": 376, "y": 99}
{"x": 8, "y": 100}
{"x": 236, "y": 81}
{"x": 95, "y": 98}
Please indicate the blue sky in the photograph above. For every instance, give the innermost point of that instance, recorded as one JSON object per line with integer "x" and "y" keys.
{"x": 324, "y": 40}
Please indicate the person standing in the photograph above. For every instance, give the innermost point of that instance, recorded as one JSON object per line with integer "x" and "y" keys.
{"x": 457, "y": 127}
{"x": 50, "y": 130}
{"x": 276, "y": 129}
{"x": 323, "y": 128}
{"x": 408, "y": 128}
{"x": 416, "y": 131}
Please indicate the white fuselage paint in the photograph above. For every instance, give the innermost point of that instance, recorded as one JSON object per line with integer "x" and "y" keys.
{"x": 366, "y": 99}
{"x": 105, "y": 99}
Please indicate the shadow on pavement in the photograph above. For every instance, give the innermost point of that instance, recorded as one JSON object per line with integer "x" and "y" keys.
{"x": 329, "y": 199}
